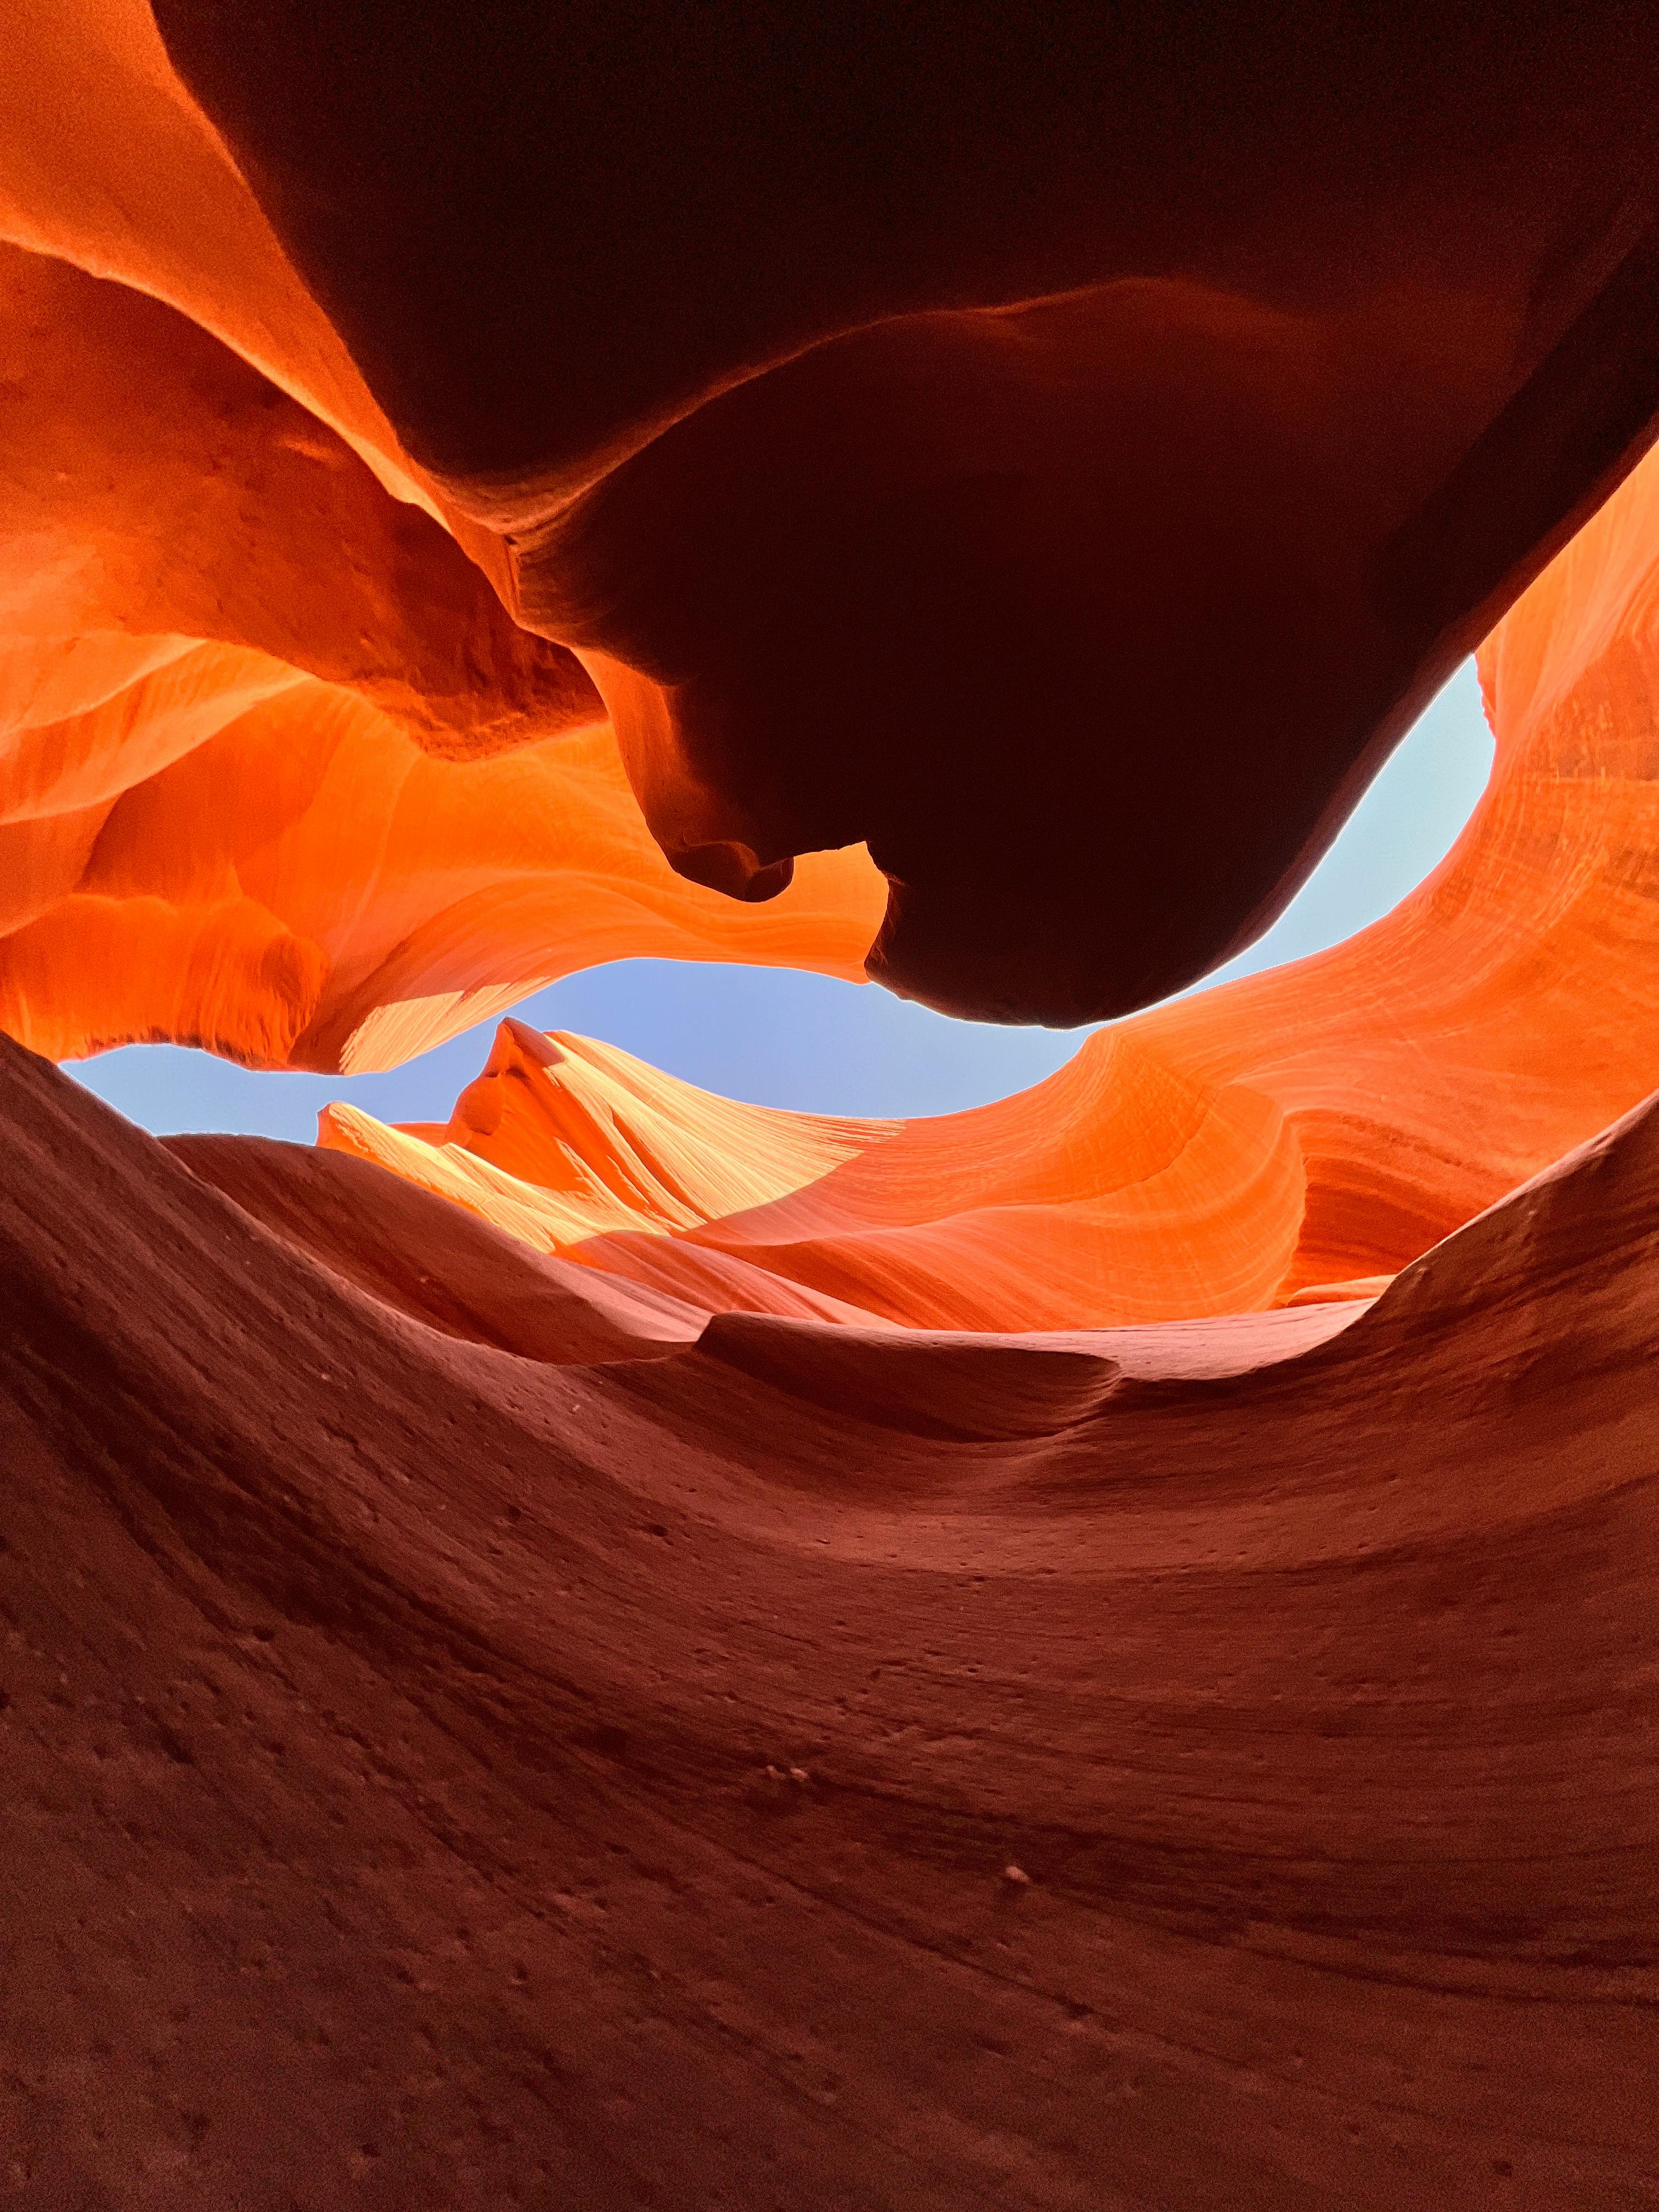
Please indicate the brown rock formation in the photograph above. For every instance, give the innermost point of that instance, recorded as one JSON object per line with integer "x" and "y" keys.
{"x": 434, "y": 1776}
{"x": 664, "y": 1653}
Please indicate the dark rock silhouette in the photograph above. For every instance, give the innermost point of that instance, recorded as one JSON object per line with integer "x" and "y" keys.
{"x": 1064, "y": 453}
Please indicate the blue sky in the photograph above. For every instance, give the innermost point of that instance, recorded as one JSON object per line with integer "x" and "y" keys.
{"x": 778, "y": 1038}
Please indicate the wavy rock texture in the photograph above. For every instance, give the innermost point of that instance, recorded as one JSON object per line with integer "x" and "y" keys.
{"x": 1115, "y": 1192}
{"x": 1306, "y": 1133}
{"x": 667, "y": 1653}
{"x": 1210, "y": 1768}
{"x": 278, "y": 774}
{"x": 1142, "y": 446}
{"x": 928, "y": 433}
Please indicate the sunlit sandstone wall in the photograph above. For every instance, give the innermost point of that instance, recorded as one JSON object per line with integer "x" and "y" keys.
{"x": 1311, "y": 1129}
{"x": 477, "y": 1730}
{"x": 242, "y": 662}
{"x": 280, "y": 775}
{"x": 208, "y": 841}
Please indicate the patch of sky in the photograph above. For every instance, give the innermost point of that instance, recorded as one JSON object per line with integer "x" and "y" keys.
{"x": 780, "y": 1038}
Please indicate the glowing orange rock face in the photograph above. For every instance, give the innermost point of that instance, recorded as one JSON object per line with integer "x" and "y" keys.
{"x": 482, "y": 1727}
{"x": 1115, "y": 1192}
{"x": 246, "y": 633}
{"x": 277, "y": 774}
{"x": 1065, "y": 464}
{"x": 388, "y": 1709}
{"x": 832, "y": 498}
{"x": 1298, "y": 1135}
{"x": 108, "y": 164}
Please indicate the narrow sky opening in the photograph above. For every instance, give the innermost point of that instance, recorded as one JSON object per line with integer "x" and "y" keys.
{"x": 776, "y": 1037}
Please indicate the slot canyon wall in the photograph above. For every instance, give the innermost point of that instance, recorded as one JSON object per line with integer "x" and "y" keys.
{"x": 628, "y": 1648}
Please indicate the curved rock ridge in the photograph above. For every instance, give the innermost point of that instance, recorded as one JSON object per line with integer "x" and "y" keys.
{"x": 1115, "y": 1192}
{"x": 107, "y": 163}
{"x": 1300, "y": 1135}
{"x": 278, "y": 773}
{"x": 321, "y": 804}
{"x": 1090, "y": 1656}
{"x": 1063, "y": 488}
{"x": 471, "y": 1737}
{"x": 1066, "y": 464}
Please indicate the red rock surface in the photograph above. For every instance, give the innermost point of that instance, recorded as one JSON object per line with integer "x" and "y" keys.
{"x": 1094, "y": 1653}
{"x": 278, "y": 774}
{"x": 437, "y": 1776}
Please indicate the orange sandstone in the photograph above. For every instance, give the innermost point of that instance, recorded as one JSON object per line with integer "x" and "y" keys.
{"x": 664, "y": 1653}
{"x": 277, "y": 774}
{"x": 1303, "y": 1133}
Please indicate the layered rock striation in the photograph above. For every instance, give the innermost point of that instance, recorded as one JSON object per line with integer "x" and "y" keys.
{"x": 469, "y": 1738}
{"x": 1074, "y": 510}
{"x": 1302, "y": 1134}
{"x": 631, "y": 1649}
